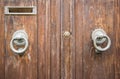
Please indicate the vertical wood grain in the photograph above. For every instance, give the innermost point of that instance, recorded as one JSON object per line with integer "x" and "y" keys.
{"x": 49, "y": 39}
{"x": 43, "y": 40}
{"x": 98, "y": 14}
{"x": 55, "y": 39}
{"x": 72, "y": 40}
{"x": 67, "y": 52}
{"x": 117, "y": 38}
{"x": 2, "y": 42}
{"x": 65, "y": 42}
{"x": 51, "y": 55}
{"x": 48, "y": 32}
{"x": 21, "y": 67}
{"x": 79, "y": 33}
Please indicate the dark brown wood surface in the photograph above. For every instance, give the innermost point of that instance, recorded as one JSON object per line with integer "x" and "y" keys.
{"x": 21, "y": 67}
{"x": 117, "y": 38}
{"x": 51, "y": 55}
{"x": 2, "y": 41}
{"x": 43, "y": 41}
{"x": 79, "y": 33}
{"x": 98, "y": 14}
{"x": 66, "y": 8}
{"x": 49, "y": 39}
{"x": 55, "y": 39}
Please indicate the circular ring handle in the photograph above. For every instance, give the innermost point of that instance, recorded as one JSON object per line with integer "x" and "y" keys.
{"x": 21, "y": 50}
{"x": 100, "y": 48}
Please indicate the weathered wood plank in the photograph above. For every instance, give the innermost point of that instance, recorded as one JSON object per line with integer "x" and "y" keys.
{"x": 72, "y": 40}
{"x": 79, "y": 33}
{"x": 2, "y": 41}
{"x": 42, "y": 71}
{"x": 21, "y": 67}
{"x": 48, "y": 32}
{"x": 55, "y": 39}
{"x": 117, "y": 38}
{"x": 98, "y": 14}
{"x": 61, "y": 57}
{"x": 44, "y": 34}
{"x": 65, "y": 42}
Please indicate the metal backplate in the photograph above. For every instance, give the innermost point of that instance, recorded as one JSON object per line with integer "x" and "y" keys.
{"x": 19, "y": 34}
{"x": 98, "y": 33}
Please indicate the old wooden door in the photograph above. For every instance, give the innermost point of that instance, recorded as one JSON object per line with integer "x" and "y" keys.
{"x": 51, "y": 54}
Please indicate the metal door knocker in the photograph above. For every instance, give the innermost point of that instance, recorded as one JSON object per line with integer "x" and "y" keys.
{"x": 99, "y": 36}
{"x": 19, "y": 39}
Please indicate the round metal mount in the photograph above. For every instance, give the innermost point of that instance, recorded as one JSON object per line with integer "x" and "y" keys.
{"x": 99, "y": 33}
{"x": 17, "y": 35}
{"x": 66, "y": 34}
{"x": 20, "y": 33}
